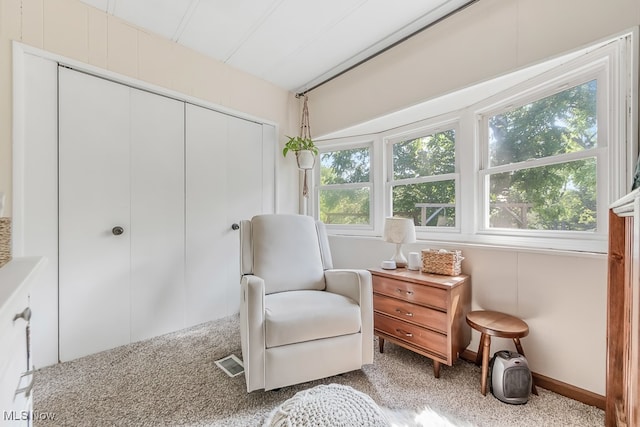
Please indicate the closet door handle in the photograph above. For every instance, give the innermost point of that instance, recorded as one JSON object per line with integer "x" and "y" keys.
{"x": 117, "y": 230}
{"x": 235, "y": 226}
{"x": 24, "y": 314}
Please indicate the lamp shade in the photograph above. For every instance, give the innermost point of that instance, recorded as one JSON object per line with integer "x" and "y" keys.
{"x": 399, "y": 230}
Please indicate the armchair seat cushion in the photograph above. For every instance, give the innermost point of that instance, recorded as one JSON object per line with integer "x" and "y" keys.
{"x": 298, "y": 316}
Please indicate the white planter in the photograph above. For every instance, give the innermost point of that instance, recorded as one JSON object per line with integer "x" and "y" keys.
{"x": 306, "y": 159}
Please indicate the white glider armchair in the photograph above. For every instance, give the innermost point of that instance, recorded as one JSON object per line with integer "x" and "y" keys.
{"x": 300, "y": 319}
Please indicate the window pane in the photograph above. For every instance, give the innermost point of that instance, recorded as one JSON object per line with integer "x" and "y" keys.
{"x": 344, "y": 206}
{"x": 428, "y": 203}
{"x": 561, "y": 123}
{"x": 344, "y": 166}
{"x": 554, "y": 197}
{"x": 426, "y": 156}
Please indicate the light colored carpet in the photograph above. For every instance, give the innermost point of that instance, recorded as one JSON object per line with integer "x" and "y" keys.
{"x": 173, "y": 381}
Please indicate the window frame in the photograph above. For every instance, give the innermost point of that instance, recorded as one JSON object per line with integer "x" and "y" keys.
{"x": 315, "y": 203}
{"x": 600, "y": 153}
{"x": 598, "y": 65}
{"x": 450, "y": 123}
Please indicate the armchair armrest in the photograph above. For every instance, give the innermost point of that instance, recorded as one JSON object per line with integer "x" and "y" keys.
{"x": 357, "y": 285}
{"x": 252, "y": 334}
{"x": 350, "y": 283}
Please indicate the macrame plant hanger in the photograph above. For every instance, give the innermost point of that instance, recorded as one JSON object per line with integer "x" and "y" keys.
{"x": 305, "y": 132}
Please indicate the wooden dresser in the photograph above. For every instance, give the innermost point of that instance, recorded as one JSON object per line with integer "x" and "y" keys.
{"x": 422, "y": 312}
{"x": 16, "y": 368}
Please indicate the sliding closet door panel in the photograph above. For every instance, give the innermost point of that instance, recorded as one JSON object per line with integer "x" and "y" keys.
{"x": 206, "y": 217}
{"x": 157, "y": 215}
{"x": 244, "y": 169}
{"x": 93, "y": 199}
{"x": 245, "y": 198}
{"x": 269, "y": 142}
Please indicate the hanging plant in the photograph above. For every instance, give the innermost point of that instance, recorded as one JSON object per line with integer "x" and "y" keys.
{"x": 305, "y": 151}
{"x": 304, "y": 147}
{"x": 298, "y": 143}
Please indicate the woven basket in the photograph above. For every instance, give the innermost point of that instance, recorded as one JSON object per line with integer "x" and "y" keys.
{"x": 5, "y": 240}
{"x": 440, "y": 261}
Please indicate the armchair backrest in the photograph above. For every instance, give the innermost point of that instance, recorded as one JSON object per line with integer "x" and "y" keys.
{"x": 290, "y": 252}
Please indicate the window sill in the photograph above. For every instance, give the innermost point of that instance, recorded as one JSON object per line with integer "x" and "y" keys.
{"x": 594, "y": 249}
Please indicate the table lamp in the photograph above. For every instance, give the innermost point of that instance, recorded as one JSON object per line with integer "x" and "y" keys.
{"x": 399, "y": 230}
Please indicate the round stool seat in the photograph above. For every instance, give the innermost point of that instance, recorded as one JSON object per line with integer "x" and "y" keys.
{"x": 497, "y": 324}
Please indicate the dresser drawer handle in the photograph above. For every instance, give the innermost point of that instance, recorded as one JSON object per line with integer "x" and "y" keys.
{"x": 406, "y": 313}
{"x": 405, "y": 333}
{"x": 26, "y": 390}
{"x": 403, "y": 291}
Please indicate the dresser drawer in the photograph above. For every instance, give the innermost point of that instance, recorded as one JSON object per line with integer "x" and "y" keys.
{"x": 423, "y": 316}
{"x": 411, "y": 292}
{"x": 412, "y": 334}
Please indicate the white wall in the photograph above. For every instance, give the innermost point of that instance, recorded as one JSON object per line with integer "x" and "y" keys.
{"x": 487, "y": 39}
{"x": 562, "y": 298}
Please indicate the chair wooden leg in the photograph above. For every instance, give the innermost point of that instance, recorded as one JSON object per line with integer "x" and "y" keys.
{"x": 486, "y": 349}
{"x": 480, "y": 347}
{"x": 516, "y": 341}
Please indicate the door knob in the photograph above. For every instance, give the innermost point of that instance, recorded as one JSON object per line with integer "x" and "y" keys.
{"x": 235, "y": 226}
{"x": 117, "y": 230}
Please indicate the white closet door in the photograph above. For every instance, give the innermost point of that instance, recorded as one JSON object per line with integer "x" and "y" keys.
{"x": 93, "y": 198}
{"x": 206, "y": 221}
{"x": 157, "y": 215}
{"x": 228, "y": 179}
{"x": 246, "y": 192}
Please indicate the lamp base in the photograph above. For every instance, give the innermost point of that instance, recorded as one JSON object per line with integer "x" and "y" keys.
{"x": 399, "y": 258}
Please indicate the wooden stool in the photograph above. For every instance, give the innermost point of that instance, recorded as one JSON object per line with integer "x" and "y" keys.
{"x": 501, "y": 325}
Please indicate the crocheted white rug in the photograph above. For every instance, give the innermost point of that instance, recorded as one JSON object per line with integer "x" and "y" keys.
{"x": 328, "y": 405}
{"x": 336, "y": 405}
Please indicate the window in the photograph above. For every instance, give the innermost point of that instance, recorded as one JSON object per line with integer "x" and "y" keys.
{"x": 423, "y": 178}
{"x": 529, "y": 160}
{"x": 345, "y": 190}
{"x": 542, "y": 161}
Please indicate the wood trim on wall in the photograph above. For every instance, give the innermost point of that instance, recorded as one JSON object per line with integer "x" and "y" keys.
{"x": 617, "y": 316}
{"x": 581, "y": 395}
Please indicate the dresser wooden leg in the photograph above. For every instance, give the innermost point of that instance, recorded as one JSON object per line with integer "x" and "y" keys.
{"x": 436, "y": 369}
{"x": 381, "y": 344}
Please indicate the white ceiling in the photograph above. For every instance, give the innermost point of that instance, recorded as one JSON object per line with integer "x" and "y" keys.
{"x": 295, "y": 44}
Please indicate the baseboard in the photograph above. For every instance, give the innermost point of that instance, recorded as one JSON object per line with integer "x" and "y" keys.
{"x": 581, "y": 395}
